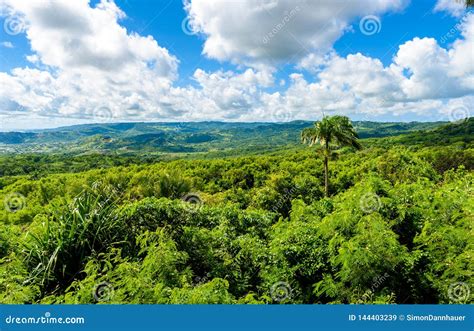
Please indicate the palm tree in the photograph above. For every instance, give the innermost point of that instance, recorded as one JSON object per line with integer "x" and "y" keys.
{"x": 336, "y": 130}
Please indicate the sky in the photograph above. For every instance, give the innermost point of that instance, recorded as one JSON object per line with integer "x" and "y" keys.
{"x": 68, "y": 62}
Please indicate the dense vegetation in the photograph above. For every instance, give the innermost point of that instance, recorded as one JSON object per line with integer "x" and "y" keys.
{"x": 85, "y": 147}
{"x": 395, "y": 228}
{"x": 179, "y": 138}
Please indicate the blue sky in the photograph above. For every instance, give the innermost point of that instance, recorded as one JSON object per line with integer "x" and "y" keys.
{"x": 267, "y": 60}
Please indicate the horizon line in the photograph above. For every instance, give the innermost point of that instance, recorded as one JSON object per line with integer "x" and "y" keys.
{"x": 198, "y": 122}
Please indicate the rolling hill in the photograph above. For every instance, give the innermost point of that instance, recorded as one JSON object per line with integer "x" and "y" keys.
{"x": 189, "y": 137}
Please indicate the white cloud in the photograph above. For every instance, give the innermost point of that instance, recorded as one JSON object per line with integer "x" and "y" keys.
{"x": 457, "y": 109}
{"x": 80, "y": 66}
{"x": 263, "y": 31}
{"x": 221, "y": 95}
{"x": 89, "y": 60}
{"x": 420, "y": 79}
{"x": 455, "y": 8}
{"x": 436, "y": 72}
{"x": 428, "y": 68}
{"x": 86, "y": 37}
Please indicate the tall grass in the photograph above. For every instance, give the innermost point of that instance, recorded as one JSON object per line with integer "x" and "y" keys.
{"x": 56, "y": 254}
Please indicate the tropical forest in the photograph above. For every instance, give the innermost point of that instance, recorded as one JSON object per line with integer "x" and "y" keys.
{"x": 323, "y": 212}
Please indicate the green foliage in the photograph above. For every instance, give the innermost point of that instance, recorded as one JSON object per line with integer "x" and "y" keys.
{"x": 396, "y": 229}
{"x": 148, "y": 183}
{"x": 335, "y": 130}
{"x": 95, "y": 146}
{"x": 57, "y": 246}
{"x": 332, "y": 130}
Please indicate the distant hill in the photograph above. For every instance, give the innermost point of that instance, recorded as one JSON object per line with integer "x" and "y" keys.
{"x": 189, "y": 137}
{"x": 461, "y": 132}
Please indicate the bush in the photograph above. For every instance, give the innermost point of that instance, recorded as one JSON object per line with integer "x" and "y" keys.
{"x": 58, "y": 246}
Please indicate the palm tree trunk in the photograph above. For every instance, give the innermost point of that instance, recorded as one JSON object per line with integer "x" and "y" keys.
{"x": 326, "y": 176}
{"x": 326, "y": 168}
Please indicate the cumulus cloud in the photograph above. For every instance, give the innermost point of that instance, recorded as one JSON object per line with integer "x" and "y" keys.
{"x": 236, "y": 94}
{"x": 424, "y": 80}
{"x": 88, "y": 60}
{"x": 421, "y": 79}
{"x": 430, "y": 70}
{"x": 220, "y": 95}
{"x": 435, "y": 72}
{"x": 72, "y": 35}
{"x": 266, "y": 31}
{"x": 454, "y": 7}
{"x": 80, "y": 67}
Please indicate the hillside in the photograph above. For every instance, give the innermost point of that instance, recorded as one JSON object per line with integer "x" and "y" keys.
{"x": 247, "y": 229}
{"x": 132, "y": 143}
{"x": 180, "y": 137}
{"x": 453, "y": 133}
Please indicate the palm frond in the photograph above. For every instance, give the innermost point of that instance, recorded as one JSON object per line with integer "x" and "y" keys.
{"x": 310, "y": 136}
{"x": 344, "y": 133}
{"x": 336, "y": 130}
